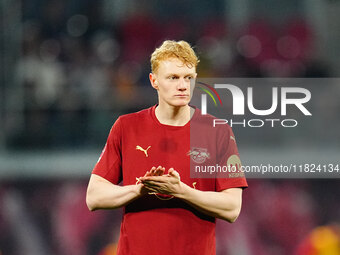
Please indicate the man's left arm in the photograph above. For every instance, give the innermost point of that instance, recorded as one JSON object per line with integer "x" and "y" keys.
{"x": 224, "y": 205}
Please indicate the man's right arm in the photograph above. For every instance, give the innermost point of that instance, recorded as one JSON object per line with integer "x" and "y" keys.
{"x": 102, "y": 194}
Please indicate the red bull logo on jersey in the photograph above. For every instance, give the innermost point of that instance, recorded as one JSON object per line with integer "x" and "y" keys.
{"x": 199, "y": 155}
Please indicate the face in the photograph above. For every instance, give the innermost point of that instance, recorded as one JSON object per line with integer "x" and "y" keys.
{"x": 172, "y": 82}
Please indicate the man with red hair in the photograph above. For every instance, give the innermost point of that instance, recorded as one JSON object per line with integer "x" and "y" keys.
{"x": 165, "y": 210}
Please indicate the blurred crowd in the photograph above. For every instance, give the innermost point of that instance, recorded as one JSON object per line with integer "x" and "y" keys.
{"x": 85, "y": 62}
{"x": 82, "y": 66}
{"x": 51, "y": 217}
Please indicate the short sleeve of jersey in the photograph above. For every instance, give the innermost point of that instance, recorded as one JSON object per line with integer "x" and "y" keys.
{"x": 109, "y": 163}
{"x": 230, "y": 157}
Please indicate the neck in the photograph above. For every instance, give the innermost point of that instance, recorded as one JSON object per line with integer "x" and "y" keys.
{"x": 174, "y": 116}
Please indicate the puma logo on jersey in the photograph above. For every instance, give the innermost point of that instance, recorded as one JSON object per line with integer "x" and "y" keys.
{"x": 141, "y": 149}
{"x": 233, "y": 138}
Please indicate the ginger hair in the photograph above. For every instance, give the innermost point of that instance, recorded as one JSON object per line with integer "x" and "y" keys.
{"x": 174, "y": 49}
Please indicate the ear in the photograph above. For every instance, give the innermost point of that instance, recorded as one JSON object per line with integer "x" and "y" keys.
{"x": 153, "y": 80}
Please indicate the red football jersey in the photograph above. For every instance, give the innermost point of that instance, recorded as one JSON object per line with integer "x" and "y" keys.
{"x": 151, "y": 225}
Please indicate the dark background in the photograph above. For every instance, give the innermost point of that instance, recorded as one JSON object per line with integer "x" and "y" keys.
{"x": 68, "y": 69}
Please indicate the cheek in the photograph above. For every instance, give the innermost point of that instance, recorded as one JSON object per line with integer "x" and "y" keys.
{"x": 165, "y": 88}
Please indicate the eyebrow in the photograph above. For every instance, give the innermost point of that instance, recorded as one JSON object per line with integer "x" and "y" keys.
{"x": 176, "y": 74}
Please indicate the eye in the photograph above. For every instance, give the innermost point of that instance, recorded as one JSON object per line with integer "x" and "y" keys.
{"x": 173, "y": 77}
{"x": 189, "y": 77}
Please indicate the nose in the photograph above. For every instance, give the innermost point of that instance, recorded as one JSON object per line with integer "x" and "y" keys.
{"x": 182, "y": 84}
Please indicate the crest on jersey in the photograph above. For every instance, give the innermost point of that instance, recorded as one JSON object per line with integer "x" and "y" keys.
{"x": 234, "y": 161}
{"x": 199, "y": 155}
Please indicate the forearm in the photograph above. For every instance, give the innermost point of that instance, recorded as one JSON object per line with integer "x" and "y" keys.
{"x": 225, "y": 205}
{"x": 105, "y": 195}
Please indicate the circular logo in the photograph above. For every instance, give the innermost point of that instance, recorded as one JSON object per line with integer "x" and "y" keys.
{"x": 199, "y": 155}
{"x": 234, "y": 162}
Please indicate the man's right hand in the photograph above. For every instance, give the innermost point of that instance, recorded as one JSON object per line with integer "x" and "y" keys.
{"x": 152, "y": 172}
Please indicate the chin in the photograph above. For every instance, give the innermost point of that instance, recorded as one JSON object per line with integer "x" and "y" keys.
{"x": 180, "y": 104}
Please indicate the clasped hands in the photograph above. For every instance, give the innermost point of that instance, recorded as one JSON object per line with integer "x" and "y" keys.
{"x": 156, "y": 181}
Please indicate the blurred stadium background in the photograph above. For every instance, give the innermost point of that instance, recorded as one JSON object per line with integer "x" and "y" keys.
{"x": 69, "y": 68}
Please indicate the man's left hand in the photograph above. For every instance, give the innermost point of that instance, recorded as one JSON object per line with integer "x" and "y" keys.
{"x": 169, "y": 184}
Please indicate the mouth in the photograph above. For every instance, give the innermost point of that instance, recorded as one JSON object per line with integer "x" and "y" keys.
{"x": 181, "y": 95}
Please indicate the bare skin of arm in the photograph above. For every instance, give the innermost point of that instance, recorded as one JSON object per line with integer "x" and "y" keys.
{"x": 224, "y": 205}
{"x": 102, "y": 194}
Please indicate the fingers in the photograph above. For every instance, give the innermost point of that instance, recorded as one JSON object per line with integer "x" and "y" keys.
{"x": 148, "y": 173}
{"x": 156, "y": 179}
{"x": 151, "y": 187}
{"x": 151, "y": 183}
{"x": 159, "y": 173}
{"x": 174, "y": 173}
{"x": 152, "y": 171}
{"x": 155, "y": 171}
{"x": 171, "y": 171}
{"x": 160, "y": 189}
